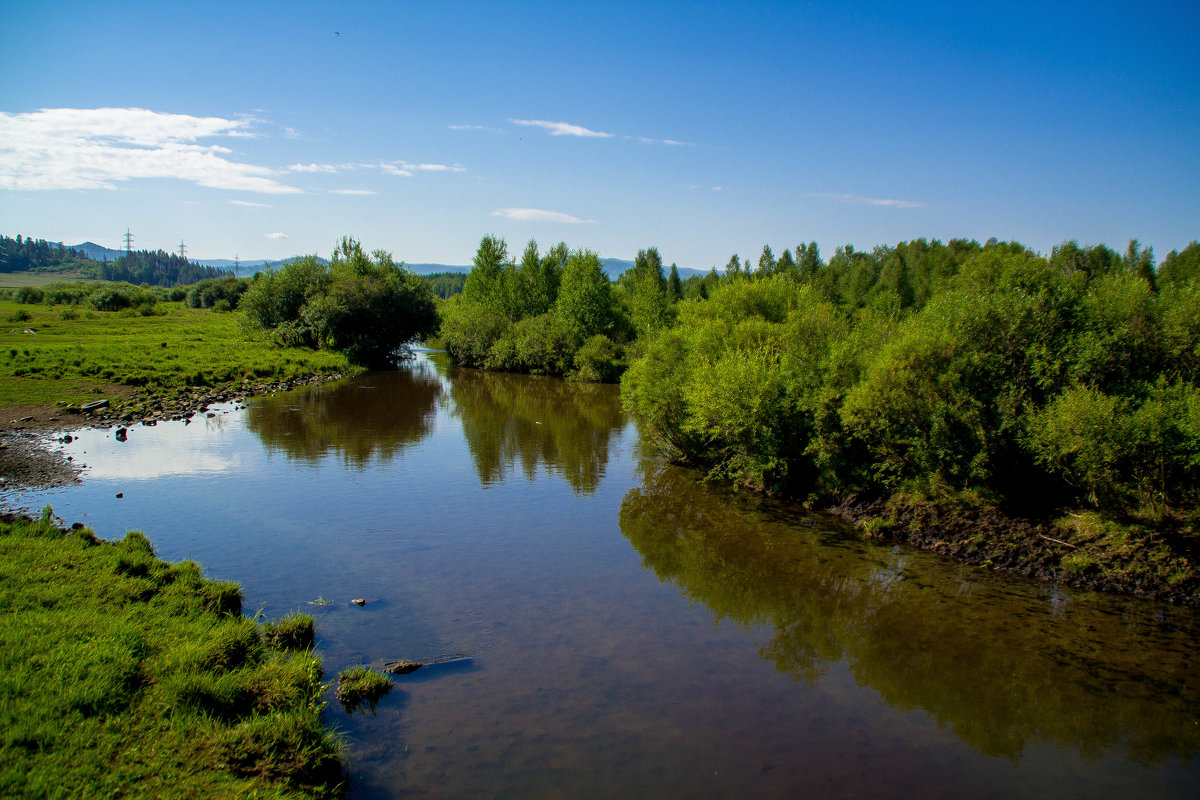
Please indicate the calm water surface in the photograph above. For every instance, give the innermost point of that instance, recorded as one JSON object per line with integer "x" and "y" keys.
{"x": 633, "y": 632}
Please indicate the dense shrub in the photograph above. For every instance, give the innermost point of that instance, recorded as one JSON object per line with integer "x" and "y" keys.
{"x": 211, "y": 293}
{"x": 366, "y": 307}
{"x": 29, "y": 295}
{"x": 1064, "y": 380}
{"x": 536, "y": 316}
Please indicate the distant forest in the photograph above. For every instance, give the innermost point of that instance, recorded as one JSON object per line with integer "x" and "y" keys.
{"x": 38, "y": 255}
{"x": 155, "y": 268}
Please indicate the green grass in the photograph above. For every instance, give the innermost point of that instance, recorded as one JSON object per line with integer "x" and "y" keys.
{"x": 15, "y": 280}
{"x": 65, "y": 354}
{"x": 358, "y": 686}
{"x": 123, "y": 675}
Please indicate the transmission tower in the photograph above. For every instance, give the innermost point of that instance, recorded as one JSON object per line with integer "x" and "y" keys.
{"x": 128, "y": 242}
{"x": 182, "y": 250}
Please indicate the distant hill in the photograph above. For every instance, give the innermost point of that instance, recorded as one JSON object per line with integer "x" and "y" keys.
{"x": 97, "y": 252}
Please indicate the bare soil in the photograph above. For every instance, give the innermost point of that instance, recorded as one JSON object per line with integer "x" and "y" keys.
{"x": 990, "y": 538}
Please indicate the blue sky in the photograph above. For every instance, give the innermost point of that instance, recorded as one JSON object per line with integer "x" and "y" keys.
{"x": 705, "y": 129}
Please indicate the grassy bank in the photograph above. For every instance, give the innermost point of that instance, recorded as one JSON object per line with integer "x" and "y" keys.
{"x": 59, "y": 355}
{"x": 121, "y": 674}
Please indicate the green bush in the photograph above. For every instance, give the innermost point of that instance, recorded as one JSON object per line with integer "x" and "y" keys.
{"x": 29, "y": 295}
{"x": 366, "y": 307}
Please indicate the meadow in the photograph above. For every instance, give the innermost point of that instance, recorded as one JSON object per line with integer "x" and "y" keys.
{"x": 72, "y": 354}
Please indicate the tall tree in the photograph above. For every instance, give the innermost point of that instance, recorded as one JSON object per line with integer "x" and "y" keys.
{"x": 766, "y": 262}
{"x": 484, "y": 283}
{"x": 585, "y": 296}
{"x": 674, "y": 285}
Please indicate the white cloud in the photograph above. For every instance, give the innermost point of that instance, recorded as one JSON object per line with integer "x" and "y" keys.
{"x": 475, "y": 128}
{"x": 351, "y": 191}
{"x": 440, "y": 167}
{"x": 247, "y": 204}
{"x": 396, "y": 170}
{"x": 313, "y": 168}
{"x": 561, "y": 128}
{"x": 79, "y": 148}
{"x": 276, "y": 235}
{"x": 869, "y": 201}
{"x": 538, "y": 215}
{"x": 669, "y": 142}
{"x": 405, "y": 170}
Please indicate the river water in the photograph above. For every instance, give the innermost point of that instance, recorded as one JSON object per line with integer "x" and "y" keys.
{"x": 631, "y": 631}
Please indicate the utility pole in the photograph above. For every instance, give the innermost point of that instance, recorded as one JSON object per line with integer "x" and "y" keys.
{"x": 128, "y": 242}
{"x": 182, "y": 250}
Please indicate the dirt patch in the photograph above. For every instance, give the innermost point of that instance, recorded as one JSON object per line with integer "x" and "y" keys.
{"x": 27, "y": 462}
{"x": 993, "y": 539}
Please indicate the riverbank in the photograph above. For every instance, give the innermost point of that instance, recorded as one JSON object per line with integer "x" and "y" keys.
{"x": 1080, "y": 549}
{"x": 125, "y": 675}
{"x": 121, "y": 367}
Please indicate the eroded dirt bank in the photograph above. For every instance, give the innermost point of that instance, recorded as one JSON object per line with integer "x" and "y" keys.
{"x": 1038, "y": 549}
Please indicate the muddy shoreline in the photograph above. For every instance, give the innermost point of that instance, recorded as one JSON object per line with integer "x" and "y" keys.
{"x": 27, "y": 457}
{"x": 990, "y": 538}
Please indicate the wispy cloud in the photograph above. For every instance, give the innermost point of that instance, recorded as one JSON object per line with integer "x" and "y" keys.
{"x": 351, "y": 191}
{"x": 487, "y": 128}
{"x": 867, "y": 201}
{"x": 313, "y": 168}
{"x": 561, "y": 128}
{"x": 397, "y": 168}
{"x": 439, "y": 167}
{"x": 80, "y": 148}
{"x": 538, "y": 215}
{"x": 669, "y": 142}
{"x": 247, "y": 204}
{"x": 276, "y": 235}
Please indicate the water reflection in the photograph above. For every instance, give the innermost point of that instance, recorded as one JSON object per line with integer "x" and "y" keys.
{"x": 1006, "y": 665}
{"x": 365, "y": 419}
{"x": 526, "y": 422}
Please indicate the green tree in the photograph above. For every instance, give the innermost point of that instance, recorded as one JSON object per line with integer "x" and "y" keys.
{"x": 674, "y": 285}
{"x": 585, "y": 302}
{"x": 1181, "y": 267}
{"x": 485, "y": 281}
{"x": 366, "y": 306}
{"x": 766, "y": 262}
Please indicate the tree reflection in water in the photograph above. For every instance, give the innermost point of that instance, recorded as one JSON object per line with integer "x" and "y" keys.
{"x": 1006, "y": 664}
{"x": 366, "y": 419}
{"x": 526, "y": 422}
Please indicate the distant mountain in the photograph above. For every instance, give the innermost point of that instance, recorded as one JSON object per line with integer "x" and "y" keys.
{"x": 97, "y": 252}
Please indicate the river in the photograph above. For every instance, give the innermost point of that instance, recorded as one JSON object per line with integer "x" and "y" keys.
{"x": 632, "y": 631}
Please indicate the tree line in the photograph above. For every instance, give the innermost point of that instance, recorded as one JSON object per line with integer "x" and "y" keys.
{"x": 153, "y": 268}
{"x": 24, "y": 254}
{"x": 931, "y": 367}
